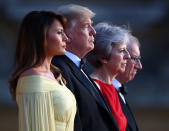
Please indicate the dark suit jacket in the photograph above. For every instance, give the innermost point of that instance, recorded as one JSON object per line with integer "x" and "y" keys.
{"x": 131, "y": 122}
{"x": 93, "y": 114}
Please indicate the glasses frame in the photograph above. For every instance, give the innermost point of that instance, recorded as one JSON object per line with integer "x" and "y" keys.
{"x": 136, "y": 59}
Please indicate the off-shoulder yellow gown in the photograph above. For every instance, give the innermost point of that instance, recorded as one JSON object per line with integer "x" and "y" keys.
{"x": 44, "y": 105}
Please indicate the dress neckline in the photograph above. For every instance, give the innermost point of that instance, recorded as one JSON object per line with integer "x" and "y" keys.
{"x": 102, "y": 82}
{"x": 29, "y": 76}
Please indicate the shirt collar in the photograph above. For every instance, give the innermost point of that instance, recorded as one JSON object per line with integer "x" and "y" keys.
{"x": 116, "y": 84}
{"x": 73, "y": 57}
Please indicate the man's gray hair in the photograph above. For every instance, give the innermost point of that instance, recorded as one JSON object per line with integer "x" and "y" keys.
{"x": 133, "y": 40}
{"x": 72, "y": 11}
{"x": 107, "y": 36}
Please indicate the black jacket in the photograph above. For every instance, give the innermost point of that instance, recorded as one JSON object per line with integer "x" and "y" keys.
{"x": 93, "y": 114}
{"x": 131, "y": 122}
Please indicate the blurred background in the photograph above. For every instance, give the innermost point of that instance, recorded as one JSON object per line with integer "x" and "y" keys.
{"x": 149, "y": 22}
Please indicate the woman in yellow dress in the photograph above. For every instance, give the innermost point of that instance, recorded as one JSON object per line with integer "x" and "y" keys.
{"x": 44, "y": 102}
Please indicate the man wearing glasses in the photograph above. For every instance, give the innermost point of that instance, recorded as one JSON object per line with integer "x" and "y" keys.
{"x": 133, "y": 64}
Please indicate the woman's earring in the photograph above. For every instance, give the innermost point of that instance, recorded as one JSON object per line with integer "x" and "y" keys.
{"x": 105, "y": 61}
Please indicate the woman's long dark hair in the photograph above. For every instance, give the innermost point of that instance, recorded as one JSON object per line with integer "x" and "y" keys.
{"x": 30, "y": 48}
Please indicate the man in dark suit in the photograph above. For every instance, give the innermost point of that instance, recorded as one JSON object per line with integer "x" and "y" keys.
{"x": 93, "y": 113}
{"x": 133, "y": 64}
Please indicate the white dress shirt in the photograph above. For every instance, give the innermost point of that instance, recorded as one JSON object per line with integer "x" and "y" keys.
{"x": 117, "y": 85}
{"x": 73, "y": 57}
{"x": 76, "y": 60}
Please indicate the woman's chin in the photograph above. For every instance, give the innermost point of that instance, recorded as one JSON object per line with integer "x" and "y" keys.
{"x": 60, "y": 53}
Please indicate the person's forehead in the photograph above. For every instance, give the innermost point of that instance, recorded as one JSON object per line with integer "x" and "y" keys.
{"x": 56, "y": 22}
{"x": 119, "y": 45}
{"x": 84, "y": 20}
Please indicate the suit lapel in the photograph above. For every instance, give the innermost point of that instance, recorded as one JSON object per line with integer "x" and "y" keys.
{"x": 133, "y": 122}
{"x": 87, "y": 84}
{"x": 129, "y": 115}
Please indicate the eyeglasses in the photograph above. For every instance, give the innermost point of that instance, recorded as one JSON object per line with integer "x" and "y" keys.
{"x": 136, "y": 59}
